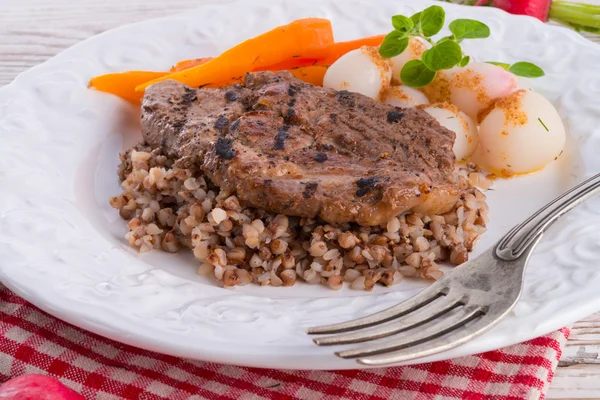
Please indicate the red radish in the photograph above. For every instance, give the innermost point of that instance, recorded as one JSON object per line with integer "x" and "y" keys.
{"x": 37, "y": 387}
{"x": 582, "y": 17}
{"x": 534, "y": 8}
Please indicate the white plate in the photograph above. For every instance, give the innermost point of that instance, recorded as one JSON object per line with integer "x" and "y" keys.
{"x": 62, "y": 246}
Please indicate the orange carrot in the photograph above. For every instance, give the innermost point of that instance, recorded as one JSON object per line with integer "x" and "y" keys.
{"x": 303, "y": 38}
{"x": 238, "y": 79}
{"x": 186, "y": 64}
{"x": 338, "y": 49}
{"x": 307, "y": 62}
{"x": 123, "y": 84}
{"x": 312, "y": 74}
{"x": 334, "y": 51}
{"x": 289, "y": 64}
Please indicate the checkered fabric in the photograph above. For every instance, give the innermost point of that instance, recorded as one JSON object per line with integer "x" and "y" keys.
{"x": 32, "y": 341}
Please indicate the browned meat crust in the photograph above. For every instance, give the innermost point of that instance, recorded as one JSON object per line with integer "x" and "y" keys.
{"x": 293, "y": 148}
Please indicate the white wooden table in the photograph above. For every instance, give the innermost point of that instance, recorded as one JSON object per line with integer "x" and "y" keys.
{"x": 31, "y": 31}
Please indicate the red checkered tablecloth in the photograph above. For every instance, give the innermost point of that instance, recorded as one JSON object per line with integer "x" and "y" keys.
{"x": 32, "y": 341}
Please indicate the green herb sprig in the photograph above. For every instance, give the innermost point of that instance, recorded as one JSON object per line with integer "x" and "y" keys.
{"x": 444, "y": 54}
{"x": 521, "y": 68}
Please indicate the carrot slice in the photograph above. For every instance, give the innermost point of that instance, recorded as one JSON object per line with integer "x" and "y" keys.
{"x": 289, "y": 64}
{"x": 300, "y": 67}
{"x": 239, "y": 79}
{"x": 303, "y": 38}
{"x": 312, "y": 74}
{"x": 123, "y": 84}
{"x": 336, "y": 50}
{"x": 186, "y": 64}
{"x": 309, "y": 69}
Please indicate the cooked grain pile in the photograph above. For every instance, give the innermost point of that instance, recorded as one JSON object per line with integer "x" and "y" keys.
{"x": 168, "y": 208}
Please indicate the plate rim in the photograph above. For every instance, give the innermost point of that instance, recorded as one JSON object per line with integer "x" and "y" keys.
{"x": 45, "y": 303}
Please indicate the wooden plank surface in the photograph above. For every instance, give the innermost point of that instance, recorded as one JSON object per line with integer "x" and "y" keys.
{"x": 578, "y": 372}
{"x": 31, "y": 31}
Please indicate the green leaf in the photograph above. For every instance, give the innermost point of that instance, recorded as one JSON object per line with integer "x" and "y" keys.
{"x": 402, "y": 23}
{"x": 443, "y": 55}
{"x": 416, "y": 74}
{"x": 432, "y": 20}
{"x": 526, "y": 70}
{"x": 395, "y": 35}
{"x": 465, "y": 60}
{"x": 416, "y": 19}
{"x": 469, "y": 29}
{"x": 393, "y": 44}
{"x": 446, "y": 38}
{"x": 499, "y": 64}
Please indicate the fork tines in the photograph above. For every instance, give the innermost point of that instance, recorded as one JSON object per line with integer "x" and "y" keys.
{"x": 436, "y": 310}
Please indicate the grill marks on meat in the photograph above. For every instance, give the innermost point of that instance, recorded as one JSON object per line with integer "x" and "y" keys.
{"x": 293, "y": 148}
{"x": 280, "y": 138}
{"x": 365, "y": 185}
{"x": 184, "y": 121}
{"x": 224, "y": 148}
{"x": 310, "y": 189}
{"x": 321, "y": 157}
{"x": 394, "y": 116}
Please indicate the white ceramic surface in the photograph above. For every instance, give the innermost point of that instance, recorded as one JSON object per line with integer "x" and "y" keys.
{"x": 62, "y": 247}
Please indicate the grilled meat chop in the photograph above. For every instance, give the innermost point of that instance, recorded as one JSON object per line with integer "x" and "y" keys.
{"x": 293, "y": 148}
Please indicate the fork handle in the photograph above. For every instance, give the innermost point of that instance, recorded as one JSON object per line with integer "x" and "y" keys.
{"x": 516, "y": 242}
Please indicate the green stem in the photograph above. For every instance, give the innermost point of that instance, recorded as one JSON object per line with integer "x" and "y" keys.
{"x": 580, "y": 16}
{"x": 426, "y": 38}
{"x": 588, "y": 8}
{"x": 577, "y": 27}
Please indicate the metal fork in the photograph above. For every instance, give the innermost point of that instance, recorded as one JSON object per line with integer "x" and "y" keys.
{"x": 464, "y": 304}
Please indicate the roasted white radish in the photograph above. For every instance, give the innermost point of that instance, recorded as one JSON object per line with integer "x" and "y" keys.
{"x": 474, "y": 87}
{"x": 362, "y": 71}
{"x": 521, "y": 133}
{"x": 404, "y": 96}
{"x": 415, "y": 48}
{"x": 438, "y": 91}
{"x": 450, "y": 117}
{"x": 524, "y": 83}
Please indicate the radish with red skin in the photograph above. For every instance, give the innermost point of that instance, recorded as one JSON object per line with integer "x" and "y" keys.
{"x": 580, "y": 16}
{"x": 534, "y": 8}
{"x": 37, "y": 387}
